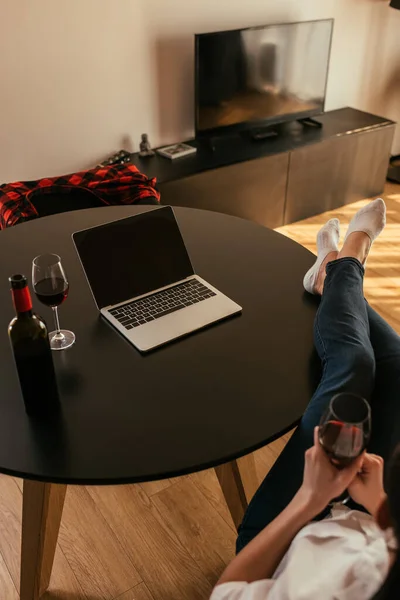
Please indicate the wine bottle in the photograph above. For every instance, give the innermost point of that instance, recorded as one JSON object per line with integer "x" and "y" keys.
{"x": 32, "y": 352}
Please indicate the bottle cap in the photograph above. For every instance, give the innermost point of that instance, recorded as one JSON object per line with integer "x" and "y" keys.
{"x": 20, "y": 293}
{"x": 18, "y": 282}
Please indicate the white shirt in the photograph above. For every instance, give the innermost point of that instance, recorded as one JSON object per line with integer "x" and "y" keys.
{"x": 344, "y": 557}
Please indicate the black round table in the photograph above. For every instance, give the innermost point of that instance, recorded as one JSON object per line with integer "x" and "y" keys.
{"x": 199, "y": 402}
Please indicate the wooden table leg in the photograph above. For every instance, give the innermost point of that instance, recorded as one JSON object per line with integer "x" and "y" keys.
{"x": 41, "y": 517}
{"x": 247, "y": 469}
{"x": 232, "y": 487}
{"x": 238, "y": 481}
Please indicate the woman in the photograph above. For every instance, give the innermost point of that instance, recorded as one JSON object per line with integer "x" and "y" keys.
{"x": 350, "y": 554}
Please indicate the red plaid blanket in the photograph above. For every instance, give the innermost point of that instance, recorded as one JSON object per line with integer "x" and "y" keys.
{"x": 117, "y": 184}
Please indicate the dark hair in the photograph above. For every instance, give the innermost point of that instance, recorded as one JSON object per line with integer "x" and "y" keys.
{"x": 391, "y": 588}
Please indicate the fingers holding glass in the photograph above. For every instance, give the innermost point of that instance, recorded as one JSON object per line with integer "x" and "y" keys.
{"x": 345, "y": 430}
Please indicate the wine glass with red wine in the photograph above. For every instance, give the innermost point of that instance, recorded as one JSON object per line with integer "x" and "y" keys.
{"x": 51, "y": 287}
{"x": 345, "y": 430}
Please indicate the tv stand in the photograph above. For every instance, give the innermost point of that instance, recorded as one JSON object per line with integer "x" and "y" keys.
{"x": 310, "y": 122}
{"x": 301, "y": 172}
{"x": 263, "y": 134}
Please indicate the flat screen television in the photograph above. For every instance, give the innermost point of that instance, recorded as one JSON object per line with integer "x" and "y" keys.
{"x": 250, "y": 78}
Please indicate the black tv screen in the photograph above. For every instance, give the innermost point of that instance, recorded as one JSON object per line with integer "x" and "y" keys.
{"x": 261, "y": 75}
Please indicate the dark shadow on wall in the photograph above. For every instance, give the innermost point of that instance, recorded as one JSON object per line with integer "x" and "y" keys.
{"x": 380, "y": 96}
{"x": 174, "y": 71}
{"x": 391, "y": 90}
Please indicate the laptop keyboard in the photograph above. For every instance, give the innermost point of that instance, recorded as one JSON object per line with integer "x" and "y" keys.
{"x": 163, "y": 303}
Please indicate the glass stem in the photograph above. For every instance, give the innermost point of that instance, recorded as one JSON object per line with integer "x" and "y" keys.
{"x": 58, "y": 335}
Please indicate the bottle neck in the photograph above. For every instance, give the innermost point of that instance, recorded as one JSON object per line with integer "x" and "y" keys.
{"x": 22, "y": 301}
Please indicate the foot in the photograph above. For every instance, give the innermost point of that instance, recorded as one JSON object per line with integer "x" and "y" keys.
{"x": 327, "y": 248}
{"x": 363, "y": 230}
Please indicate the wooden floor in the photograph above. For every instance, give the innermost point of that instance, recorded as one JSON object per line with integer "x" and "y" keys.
{"x": 170, "y": 540}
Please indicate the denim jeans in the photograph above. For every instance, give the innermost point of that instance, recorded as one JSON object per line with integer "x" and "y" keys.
{"x": 360, "y": 353}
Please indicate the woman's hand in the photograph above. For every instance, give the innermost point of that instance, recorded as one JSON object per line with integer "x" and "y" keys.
{"x": 367, "y": 487}
{"x": 322, "y": 481}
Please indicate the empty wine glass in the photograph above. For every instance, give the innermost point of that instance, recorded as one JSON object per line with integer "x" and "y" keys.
{"x": 51, "y": 287}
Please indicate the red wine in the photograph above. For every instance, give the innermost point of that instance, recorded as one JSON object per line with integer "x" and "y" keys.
{"x": 52, "y": 292}
{"x": 342, "y": 442}
{"x": 32, "y": 352}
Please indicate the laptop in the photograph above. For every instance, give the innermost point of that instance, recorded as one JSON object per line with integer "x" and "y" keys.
{"x": 143, "y": 282}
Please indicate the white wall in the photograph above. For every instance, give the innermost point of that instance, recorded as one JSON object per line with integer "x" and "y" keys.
{"x": 82, "y": 78}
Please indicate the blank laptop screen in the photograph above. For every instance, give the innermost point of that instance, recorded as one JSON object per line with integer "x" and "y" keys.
{"x": 133, "y": 256}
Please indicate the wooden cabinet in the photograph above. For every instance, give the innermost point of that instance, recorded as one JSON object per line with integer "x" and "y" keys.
{"x": 337, "y": 171}
{"x": 253, "y": 190}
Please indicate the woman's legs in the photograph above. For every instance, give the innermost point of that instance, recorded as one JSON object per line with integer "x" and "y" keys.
{"x": 342, "y": 340}
{"x": 386, "y": 397}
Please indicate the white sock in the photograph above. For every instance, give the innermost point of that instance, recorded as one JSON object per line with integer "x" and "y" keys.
{"x": 327, "y": 241}
{"x": 370, "y": 219}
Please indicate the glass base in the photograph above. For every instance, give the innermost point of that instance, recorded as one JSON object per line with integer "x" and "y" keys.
{"x": 61, "y": 340}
